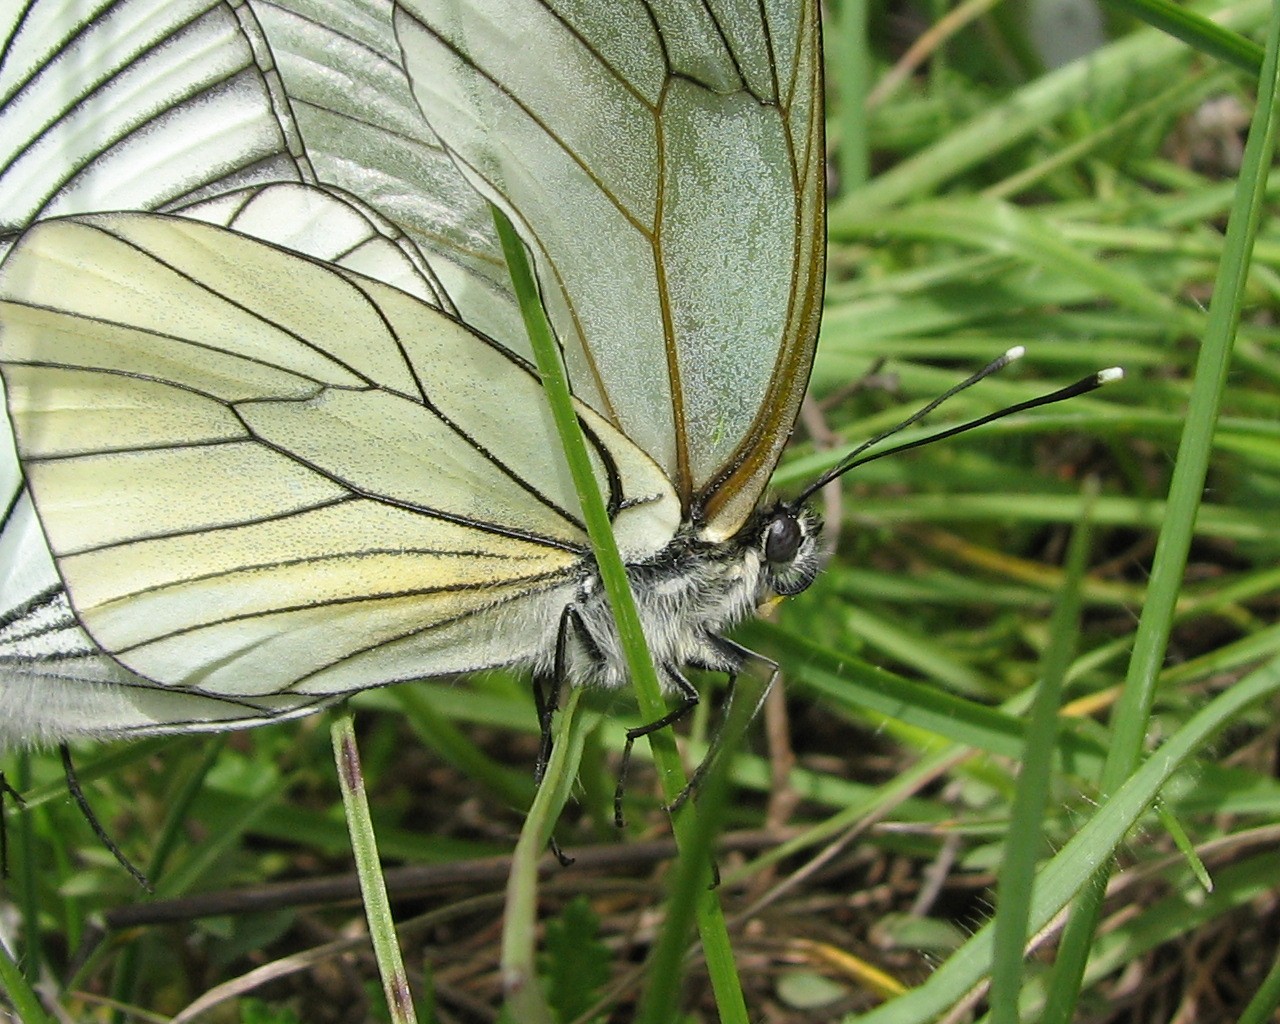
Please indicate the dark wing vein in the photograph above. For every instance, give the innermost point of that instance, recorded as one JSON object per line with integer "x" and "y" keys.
{"x": 551, "y": 580}
{"x": 548, "y": 578}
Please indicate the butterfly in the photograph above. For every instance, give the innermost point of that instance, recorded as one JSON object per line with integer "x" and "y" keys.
{"x": 276, "y": 435}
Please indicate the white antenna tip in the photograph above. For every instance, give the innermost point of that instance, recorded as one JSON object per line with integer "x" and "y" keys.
{"x": 1017, "y": 352}
{"x": 1111, "y": 373}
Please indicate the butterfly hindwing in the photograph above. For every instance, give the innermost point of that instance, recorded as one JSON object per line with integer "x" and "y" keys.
{"x": 258, "y": 474}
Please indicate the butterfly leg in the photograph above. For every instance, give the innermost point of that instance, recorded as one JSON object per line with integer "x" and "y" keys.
{"x": 546, "y": 698}
{"x": 546, "y": 690}
{"x": 731, "y": 723}
{"x": 688, "y": 697}
{"x": 6, "y": 790}
{"x": 77, "y": 794}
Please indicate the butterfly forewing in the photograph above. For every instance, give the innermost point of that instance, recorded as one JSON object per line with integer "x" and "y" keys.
{"x": 733, "y": 492}
{"x": 672, "y": 207}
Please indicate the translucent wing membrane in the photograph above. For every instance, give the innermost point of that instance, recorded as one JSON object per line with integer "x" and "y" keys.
{"x": 181, "y": 106}
{"x": 334, "y": 227}
{"x": 364, "y": 133}
{"x": 262, "y": 476}
{"x": 56, "y": 680}
{"x": 140, "y": 105}
{"x": 629, "y": 140}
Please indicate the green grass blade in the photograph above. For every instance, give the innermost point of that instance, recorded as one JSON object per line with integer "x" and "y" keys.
{"x": 691, "y": 885}
{"x": 1262, "y": 1006}
{"x": 1133, "y": 712}
{"x": 1078, "y": 861}
{"x": 1004, "y": 229}
{"x": 373, "y": 889}
{"x": 1024, "y": 843}
{"x": 1140, "y": 55}
{"x": 711, "y": 926}
{"x": 845, "y": 45}
{"x": 1196, "y": 30}
{"x": 525, "y": 999}
{"x": 19, "y": 992}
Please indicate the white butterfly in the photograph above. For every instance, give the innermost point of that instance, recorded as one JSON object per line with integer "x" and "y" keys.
{"x": 263, "y": 472}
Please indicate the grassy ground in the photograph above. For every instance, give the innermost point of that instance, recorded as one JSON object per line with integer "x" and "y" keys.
{"x": 911, "y": 806}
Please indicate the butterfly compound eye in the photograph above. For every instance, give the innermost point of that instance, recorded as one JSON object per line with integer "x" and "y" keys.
{"x": 782, "y": 540}
{"x": 789, "y": 546}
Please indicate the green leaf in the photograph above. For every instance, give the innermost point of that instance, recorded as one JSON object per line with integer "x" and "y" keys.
{"x": 575, "y": 962}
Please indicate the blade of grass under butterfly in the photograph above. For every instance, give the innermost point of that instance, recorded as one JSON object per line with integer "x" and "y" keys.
{"x": 202, "y": 857}
{"x": 1185, "y": 489}
{"x": 373, "y": 889}
{"x": 102, "y": 765}
{"x": 659, "y": 1002}
{"x": 438, "y": 732}
{"x": 525, "y": 1000}
{"x": 124, "y": 982}
{"x": 711, "y": 926}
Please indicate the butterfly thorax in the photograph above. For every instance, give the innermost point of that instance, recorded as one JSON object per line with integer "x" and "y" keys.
{"x": 689, "y": 593}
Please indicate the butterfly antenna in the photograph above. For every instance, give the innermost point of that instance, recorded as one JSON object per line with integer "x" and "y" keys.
{"x": 857, "y": 457}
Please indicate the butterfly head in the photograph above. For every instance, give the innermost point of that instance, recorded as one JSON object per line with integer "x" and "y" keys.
{"x": 786, "y": 538}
